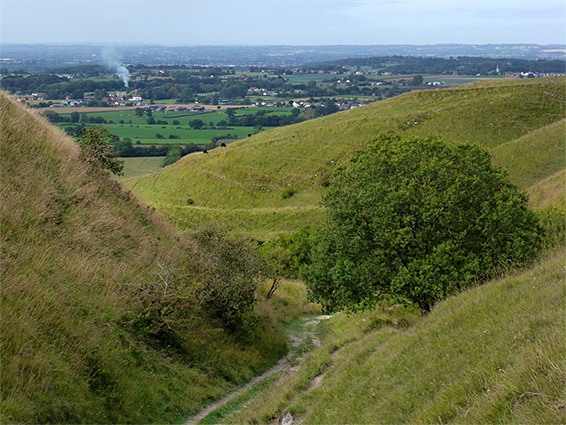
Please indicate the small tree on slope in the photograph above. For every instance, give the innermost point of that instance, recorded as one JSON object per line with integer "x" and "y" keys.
{"x": 417, "y": 219}
{"x": 96, "y": 150}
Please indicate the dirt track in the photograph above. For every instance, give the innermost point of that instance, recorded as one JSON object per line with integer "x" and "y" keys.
{"x": 305, "y": 336}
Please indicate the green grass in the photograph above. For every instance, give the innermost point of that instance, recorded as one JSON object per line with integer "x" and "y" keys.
{"x": 141, "y": 166}
{"x": 247, "y": 179}
{"x": 146, "y": 133}
{"x": 535, "y": 156}
{"x": 237, "y": 403}
{"x": 139, "y": 130}
{"x": 493, "y": 354}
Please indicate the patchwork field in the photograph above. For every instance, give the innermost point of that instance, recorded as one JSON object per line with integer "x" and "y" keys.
{"x": 176, "y": 128}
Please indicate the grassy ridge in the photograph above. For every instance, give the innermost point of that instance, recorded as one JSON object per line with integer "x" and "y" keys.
{"x": 76, "y": 251}
{"x": 255, "y": 173}
{"x": 493, "y": 354}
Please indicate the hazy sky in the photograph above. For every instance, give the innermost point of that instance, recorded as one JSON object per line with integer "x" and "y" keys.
{"x": 291, "y": 22}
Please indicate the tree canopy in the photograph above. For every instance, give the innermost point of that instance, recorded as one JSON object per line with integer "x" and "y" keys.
{"x": 417, "y": 219}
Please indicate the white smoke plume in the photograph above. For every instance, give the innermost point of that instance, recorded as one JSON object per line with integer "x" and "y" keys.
{"x": 110, "y": 58}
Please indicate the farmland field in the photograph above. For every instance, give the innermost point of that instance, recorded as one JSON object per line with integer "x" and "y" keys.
{"x": 126, "y": 124}
{"x": 146, "y": 134}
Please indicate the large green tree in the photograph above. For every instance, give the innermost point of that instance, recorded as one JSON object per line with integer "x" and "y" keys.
{"x": 417, "y": 219}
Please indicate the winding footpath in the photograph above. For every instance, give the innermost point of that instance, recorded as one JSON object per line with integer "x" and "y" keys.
{"x": 305, "y": 336}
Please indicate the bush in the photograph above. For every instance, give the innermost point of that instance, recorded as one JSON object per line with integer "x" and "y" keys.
{"x": 417, "y": 219}
{"x": 230, "y": 268}
{"x": 289, "y": 252}
{"x": 174, "y": 154}
{"x": 96, "y": 150}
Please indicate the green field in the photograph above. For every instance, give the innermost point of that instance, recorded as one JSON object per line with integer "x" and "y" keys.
{"x": 146, "y": 133}
{"x": 454, "y": 81}
{"x": 135, "y": 167}
{"x": 137, "y": 129}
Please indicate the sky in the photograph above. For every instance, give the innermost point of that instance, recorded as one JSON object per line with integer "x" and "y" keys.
{"x": 283, "y": 22}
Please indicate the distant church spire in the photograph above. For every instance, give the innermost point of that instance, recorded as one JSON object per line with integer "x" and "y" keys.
{"x": 497, "y": 69}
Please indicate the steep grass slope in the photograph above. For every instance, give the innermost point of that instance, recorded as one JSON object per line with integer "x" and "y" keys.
{"x": 550, "y": 192}
{"x": 493, "y": 354}
{"x": 75, "y": 251}
{"x": 534, "y": 157}
{"x": 272, "y": 182}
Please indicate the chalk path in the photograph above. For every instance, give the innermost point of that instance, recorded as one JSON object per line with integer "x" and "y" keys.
{"x": 306, "y": 334}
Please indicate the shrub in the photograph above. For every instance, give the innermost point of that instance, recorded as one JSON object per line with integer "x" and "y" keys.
{"x": 174, "y": 154}
{"x": 96, "y": 150}
{"x": 230, "y": 268}
{"x": 288, "y": 253}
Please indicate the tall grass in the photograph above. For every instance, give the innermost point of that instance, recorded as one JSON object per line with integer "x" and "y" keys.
{"x": 550, "y": 192}
{"x": 75, "y": 251}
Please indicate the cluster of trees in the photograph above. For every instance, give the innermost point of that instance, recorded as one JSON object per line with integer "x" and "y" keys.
{"x": 125, "y": 149}
{"x": 262, "y": 119}
{"x": 74, "y": 117}
{"x": 56, "y": 87}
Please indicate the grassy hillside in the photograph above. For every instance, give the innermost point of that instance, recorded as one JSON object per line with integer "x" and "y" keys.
{"x": 534, "y": 157}
{"x": 79, "y": 258}
{"x": 549, "y": 192}
{"x": 272, "y": 182}
{"x": 493, "y": 354}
